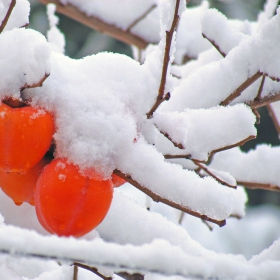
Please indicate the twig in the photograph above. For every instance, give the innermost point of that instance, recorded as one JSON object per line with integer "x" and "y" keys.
{"x": 238, "y": 144}
{"x": 204, "y": 168}
{"x": 189, "y": 156}
{"x": 274, "y": 118}
{"x": 141, "y": 17}
{"x": 208, "y": 225}
{"x": 37, "y": 84}
{"x": 125, "y": 275}
{"x": 252, "y": 185}
{"x": 177, "y": 145}
{"x": 182, "y": 214}
{"x": 92, "y": 269}
{"x": 258, "y": 97}
{"x": 214, "y": 45}
{"x": 264, "y": 101}
{"x": 158, "y": 198}
{"x": 169, "y": 35}
{"x": 241, "y": 88}
{"x": 75, "y": 272}
{"x": 7, "y": 16}
{"x": 98, "y": 24}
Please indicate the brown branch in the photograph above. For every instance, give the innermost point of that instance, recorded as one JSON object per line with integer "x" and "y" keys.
{"x": 241, "y": 88}
{"x": 158, "y": 198}
{"x": 214, "y": 45}
{"x": 92, "y": 269}
{"x": 98, "y": 24}
{"x": 252, "y": 185}
{"x": 125, "y": 275}
{"x": 238, "y": 144}
{"x": 189, "y": 156}
{"x": 177, "y": 145}
{"x": 169, "y": 35}
{"x": 75, "y": 272}
{"x": 273, "y": 117}
{"x": 141, "y": 17}
{"x": 204, "y": 168}
{"x": 37, "y": 84}
{"x": 7, "y": 16}
{"x": 264, "y": 101}
{"x": 258, "y": 97}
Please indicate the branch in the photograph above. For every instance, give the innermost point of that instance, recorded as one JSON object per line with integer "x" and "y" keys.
{"x": 274, "y": 118}
{"x": 98, "y": 24}
{"x": 214, "y": 45}
{"x": 169, "y": 35}
{"x": 204, "y": 168}
{"x": 238, "y": 144}
{"x": 258, "y": 97}
{"x": 177, "y": 145}
{"x": 262, "y": 186}
{"x": 37, "y": 84}
{"x": 241, "y": 88}
{"x": 264, "y": 101}
{"x": 158, "y": 198}
{"x": 7, "y": 16}
{"x": 189, "y": 156}
{"x": 141, "y": 17}
{"x": 92, "y": 269}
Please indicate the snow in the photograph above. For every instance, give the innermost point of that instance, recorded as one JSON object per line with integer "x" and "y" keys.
{"x": 99, "y": 104}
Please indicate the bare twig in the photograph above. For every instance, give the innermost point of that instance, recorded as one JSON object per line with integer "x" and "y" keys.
{"x": 98, "y": 24}
{"x": 274, "y": 118}
{"x": 158, "y": 198}
{"x": 204, "y": 168}
{"x": 37, "y": 84}
{"x": 214, "y": 45}
{"x": 141, "y": 17}
{"x": 241, "y": 88}
{"x": 177, "y": 145}
{"x": 238, "y": 144}
{"x": 253, "y": 185}
{"x": 75, "y": 272}
{"x": 189, "y": 156}
{"x": 92, "y": 269}
{"x": 208, "y": 225}
{"x": 169, "y": 35}
{"x": 258, "y": 97}
{"x": 123, "y": 274}
{"x": 264, "y": 101}
{"x": 7, "y": 16}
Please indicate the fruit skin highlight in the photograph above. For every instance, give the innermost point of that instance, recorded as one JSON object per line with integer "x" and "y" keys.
{"x": 25, "y": 136}
{"x": 20, "y": 187}
{"x": 68, "y": 203}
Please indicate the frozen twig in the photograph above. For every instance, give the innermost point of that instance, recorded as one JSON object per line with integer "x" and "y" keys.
{"x": 166, "y": 59}
{"x": 35, "y": 85}
{"x": 141, "y": 17}
{"x": 98, "y": 24}
{"x": 264, "y": 101}
{"x": 177, "y": 145}
{"x": 238, "y": 144}
{"x": 189, "y": 156}
{"x": 75, "y": 272}
{"x": 255, "y": 185}
{"x": 173, "y": 204}
{"x": 205, "y": 169}
{"x": 241, "y": 88}
{"x": 92, "y": 269}
{"x": 7, "y": 16}
{"x": 274, "y": 118}
{"x": 258, "y": 97}
{"x": 214, "y": 45}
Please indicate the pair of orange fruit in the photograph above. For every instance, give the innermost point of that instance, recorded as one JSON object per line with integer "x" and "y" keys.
{"x": 66, "y": 202}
